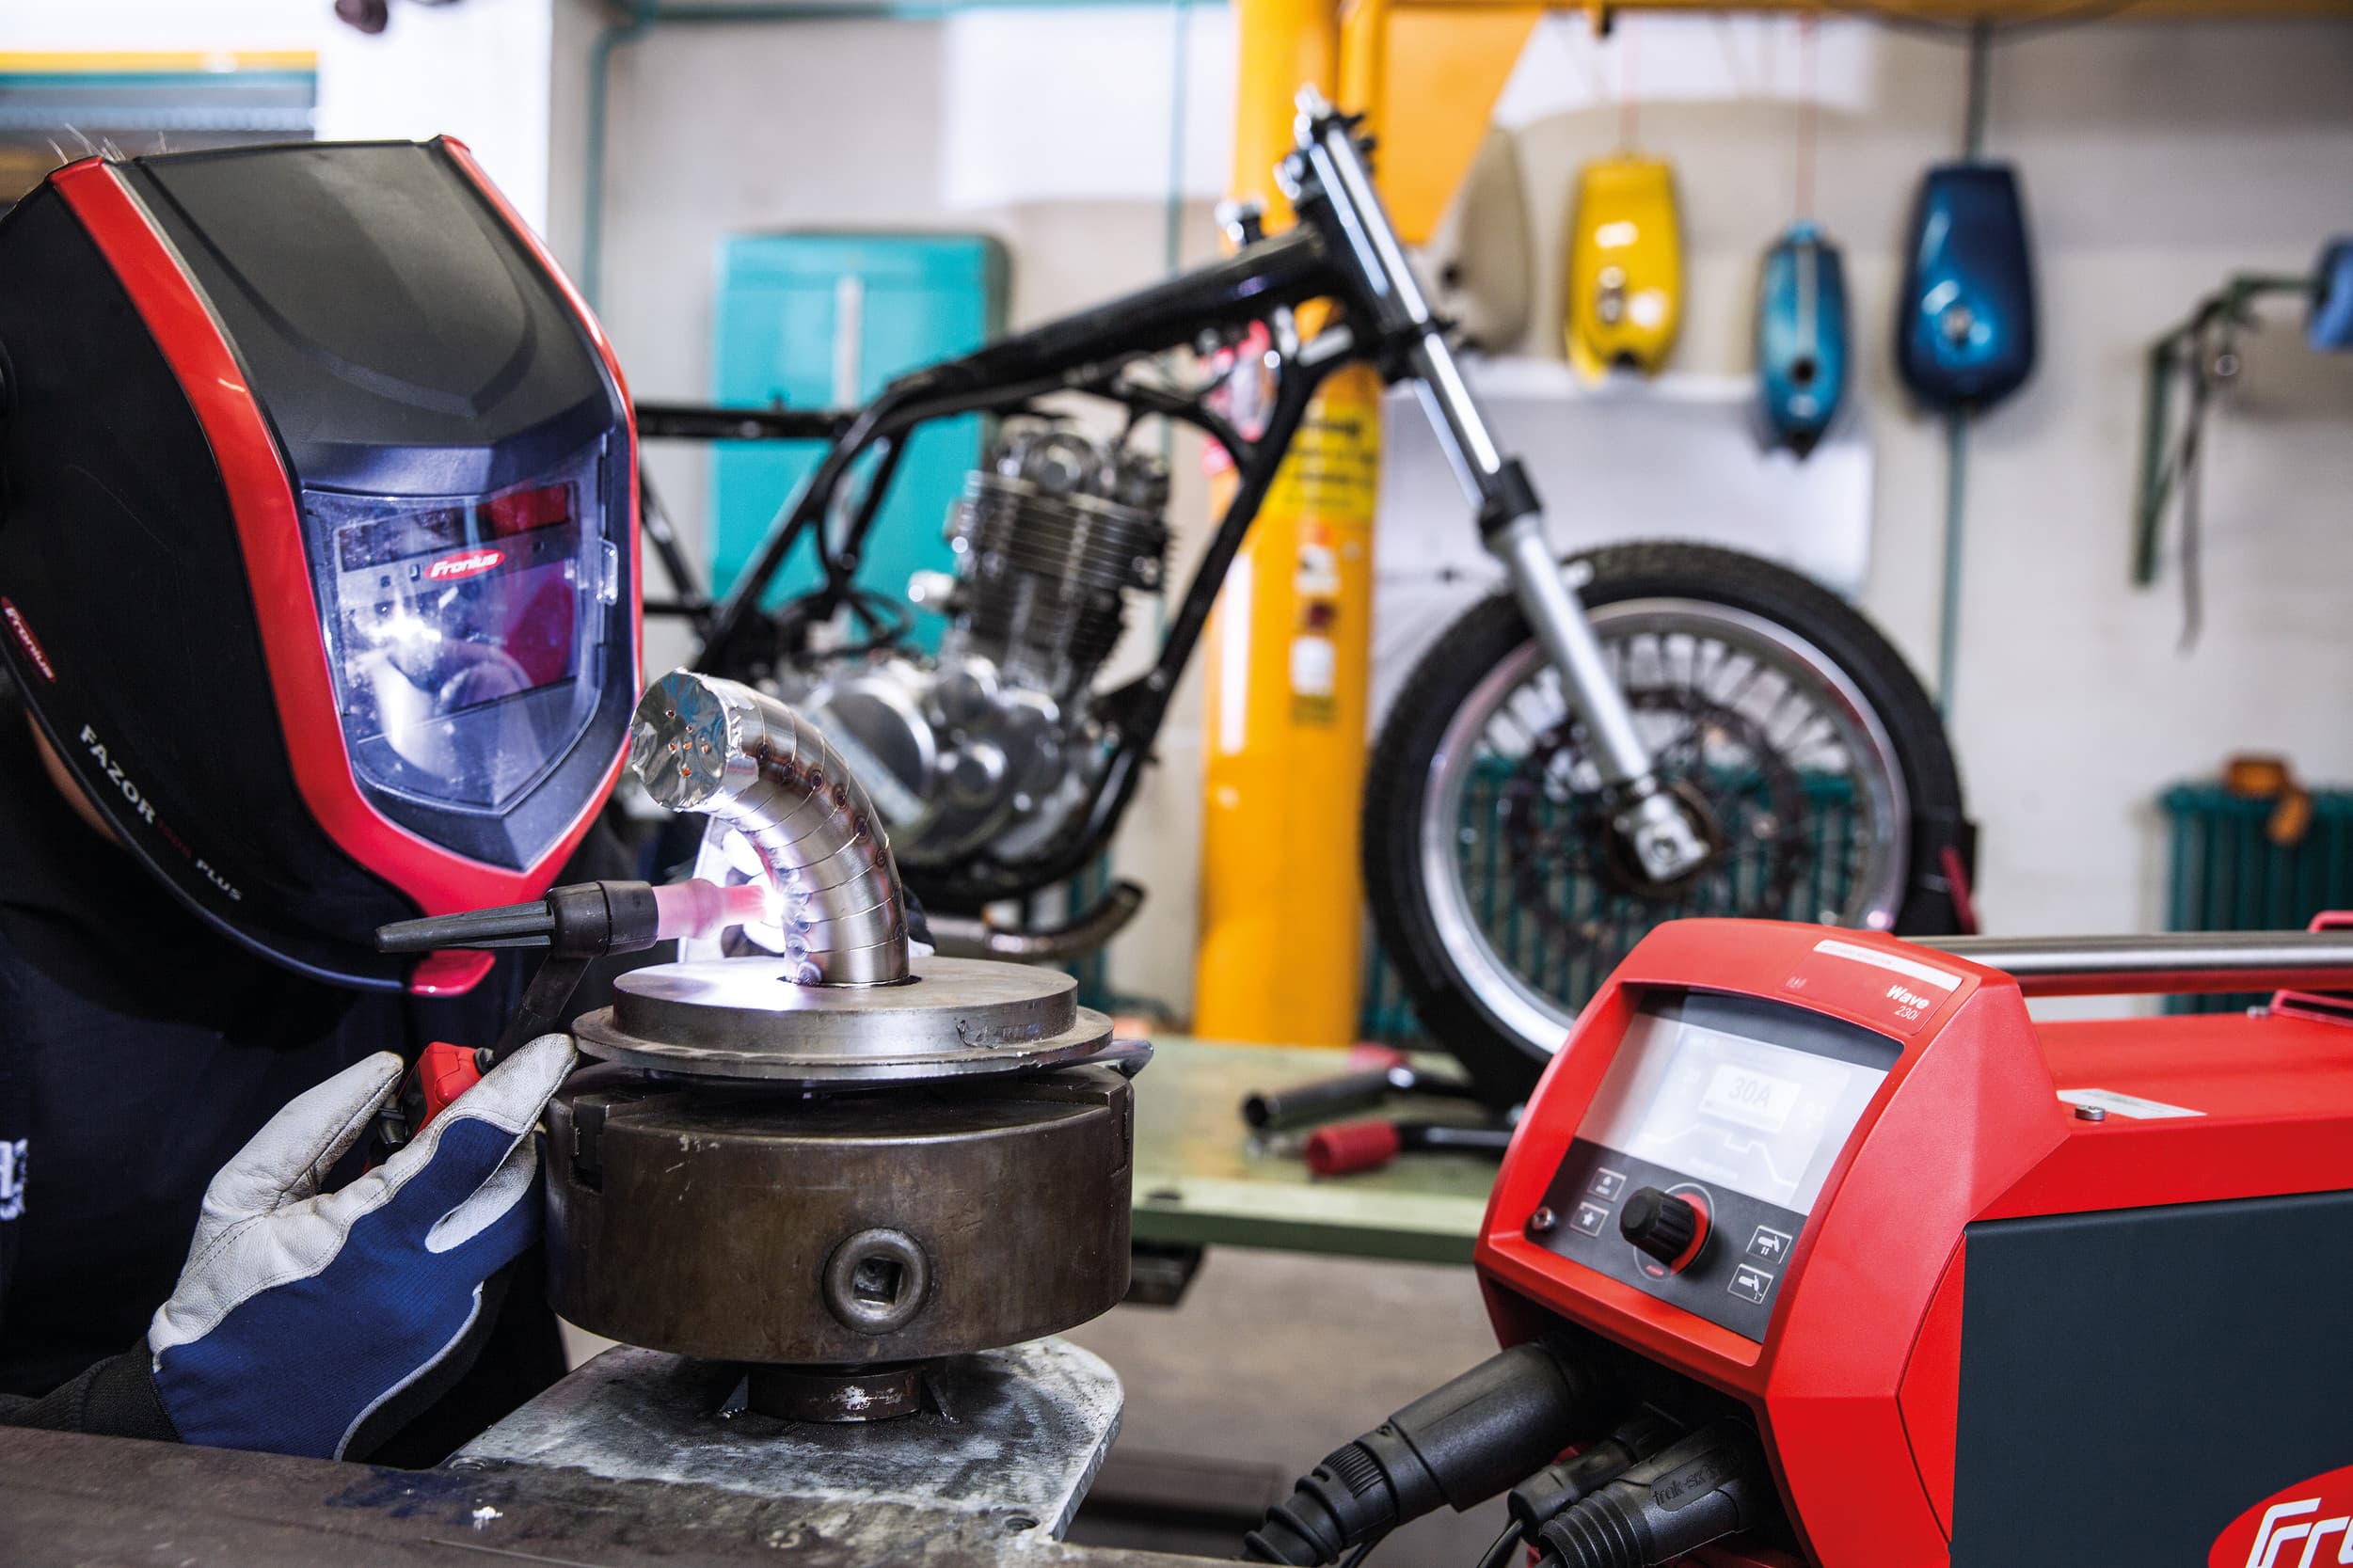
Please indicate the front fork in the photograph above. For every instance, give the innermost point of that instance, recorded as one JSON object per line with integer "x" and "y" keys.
{"x": 1330, "y": 171}
{"x": 1665, "y": 843}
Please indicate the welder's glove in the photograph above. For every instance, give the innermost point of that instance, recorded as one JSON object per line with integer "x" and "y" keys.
{"x": 301, "y": 1313}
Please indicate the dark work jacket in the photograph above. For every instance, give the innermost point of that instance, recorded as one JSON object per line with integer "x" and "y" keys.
{"x": 139, "y": 1050}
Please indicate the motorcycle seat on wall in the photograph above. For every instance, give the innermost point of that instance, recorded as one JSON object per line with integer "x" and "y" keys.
{"x": 1800, "y": 338}
{"x": 1625, "y": 267}
{"x": 1481, "y": 260}
{"x": 1965, "y": 335}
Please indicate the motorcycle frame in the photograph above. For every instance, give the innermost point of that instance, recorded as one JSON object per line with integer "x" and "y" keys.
{"x": 1344, "y": 249}
{"x": 1088, "y": 353}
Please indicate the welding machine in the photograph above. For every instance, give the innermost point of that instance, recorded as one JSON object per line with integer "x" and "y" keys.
{"x": 1815, "y": 1248}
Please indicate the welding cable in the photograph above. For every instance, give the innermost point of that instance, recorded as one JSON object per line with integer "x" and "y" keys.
{"x": 1500, "y": 1550}
{"x": 1460, "y": 1444}
{"x": 1543, "y": 1496}
{"x": 1705, "y": 1486}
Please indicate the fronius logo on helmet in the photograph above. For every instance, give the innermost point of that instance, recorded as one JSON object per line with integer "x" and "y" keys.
{"x": 25, "y": 638}
{"x": 2302, "y": 1526}
{"x": 465, "y": 563}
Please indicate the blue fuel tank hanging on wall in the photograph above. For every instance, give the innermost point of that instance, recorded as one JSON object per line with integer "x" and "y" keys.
{"x": 1964, "y": 337}
{"x": 1800, "y": 338}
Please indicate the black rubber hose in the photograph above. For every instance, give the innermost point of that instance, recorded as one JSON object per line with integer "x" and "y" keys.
{"x": 1571, "y": 1482}
{"x": 1460, "y": 1444}
{"x": 1710, "y": 1484}
{"x": 1500, "y": 1550}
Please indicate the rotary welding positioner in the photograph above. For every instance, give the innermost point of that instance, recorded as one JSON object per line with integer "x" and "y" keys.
{"x": 834, "y": 1189}
{"x": 1815, "y": 1248}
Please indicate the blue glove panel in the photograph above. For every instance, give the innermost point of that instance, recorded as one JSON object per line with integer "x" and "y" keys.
{"x": 377, "y": 1317}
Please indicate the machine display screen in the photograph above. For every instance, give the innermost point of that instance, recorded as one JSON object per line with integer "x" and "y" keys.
{"x": 1736, "y": 1106}
{"x": 1695, "y": 1090}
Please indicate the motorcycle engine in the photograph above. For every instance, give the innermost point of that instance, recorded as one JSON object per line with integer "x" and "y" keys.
{"x": 991, "y": 742}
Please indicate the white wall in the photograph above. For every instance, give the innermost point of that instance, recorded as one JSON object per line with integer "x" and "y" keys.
{"x": 2157, "y": 160}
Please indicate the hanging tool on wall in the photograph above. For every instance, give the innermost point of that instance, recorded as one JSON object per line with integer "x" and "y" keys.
{"x": 1626, "y": 251}
{"x": 1802, "y": 306}
{"x": 2203, "y": 355}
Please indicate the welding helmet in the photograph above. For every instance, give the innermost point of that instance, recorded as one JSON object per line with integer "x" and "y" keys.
{"x": 317, "y": 534}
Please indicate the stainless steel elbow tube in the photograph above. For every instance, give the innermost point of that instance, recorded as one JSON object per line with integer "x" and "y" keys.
{"x": 702, "y": 744}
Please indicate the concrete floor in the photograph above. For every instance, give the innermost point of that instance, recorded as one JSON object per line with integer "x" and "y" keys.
{"x": 1270, "y": 1362}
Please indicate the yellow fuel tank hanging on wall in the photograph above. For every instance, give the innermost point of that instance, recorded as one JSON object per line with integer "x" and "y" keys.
{"x": 1625, "y": 267}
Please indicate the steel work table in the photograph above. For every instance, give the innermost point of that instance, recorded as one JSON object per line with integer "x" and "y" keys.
{"x": 65, "y": 1498}
{"x": 1204, "y": 1179}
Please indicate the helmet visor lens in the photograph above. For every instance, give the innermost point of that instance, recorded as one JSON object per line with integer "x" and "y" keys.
{"x": 465, "y": 633}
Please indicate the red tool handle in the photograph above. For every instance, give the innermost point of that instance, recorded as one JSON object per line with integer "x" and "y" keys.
{"x": 1352, "y": 1145}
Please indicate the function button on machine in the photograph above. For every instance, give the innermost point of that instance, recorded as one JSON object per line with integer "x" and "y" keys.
{"x": 1668, "y": 1226}
{"x": 1590, "y": 1217}
{"x": 1750, "y": 1283}
{"x": 1769, "y": 1245}
{"x": 1607, "y": 1184}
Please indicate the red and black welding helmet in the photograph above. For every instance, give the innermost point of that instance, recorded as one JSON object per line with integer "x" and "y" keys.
{"x": 318, "y": 533}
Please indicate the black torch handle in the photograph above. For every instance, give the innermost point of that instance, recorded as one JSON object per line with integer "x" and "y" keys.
{"x": 1317, "y": 1100}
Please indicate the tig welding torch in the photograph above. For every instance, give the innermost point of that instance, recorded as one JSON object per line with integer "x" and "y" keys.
{"x": 578, "y": 924}
{"x": 1348, "y": 1147}
{"x": 1379, "y": 1072}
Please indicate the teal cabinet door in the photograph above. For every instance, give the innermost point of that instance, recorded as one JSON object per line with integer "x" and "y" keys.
{"x": 825, "y": 320}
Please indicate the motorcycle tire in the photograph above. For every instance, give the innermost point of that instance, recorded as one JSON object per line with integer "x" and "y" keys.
{"x": 1902, "y": 798}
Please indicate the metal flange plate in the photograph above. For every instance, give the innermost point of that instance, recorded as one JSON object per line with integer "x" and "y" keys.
{"x": 748, "y": 1018}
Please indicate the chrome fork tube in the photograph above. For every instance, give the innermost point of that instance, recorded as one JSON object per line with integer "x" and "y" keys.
{"x": 1559, "y": 622}
{"x": 1507, "y": 509}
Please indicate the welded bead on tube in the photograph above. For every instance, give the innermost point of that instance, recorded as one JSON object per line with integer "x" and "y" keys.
{"x": 719, "y": 747}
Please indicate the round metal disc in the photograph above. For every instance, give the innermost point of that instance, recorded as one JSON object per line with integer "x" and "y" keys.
{"x": 747, "y": 1018}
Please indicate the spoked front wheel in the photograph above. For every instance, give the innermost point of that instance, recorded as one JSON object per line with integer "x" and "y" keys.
{"x": 1793, "y": 734}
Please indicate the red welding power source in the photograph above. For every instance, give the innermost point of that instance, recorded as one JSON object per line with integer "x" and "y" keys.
{"x": 1996, "y": 1292}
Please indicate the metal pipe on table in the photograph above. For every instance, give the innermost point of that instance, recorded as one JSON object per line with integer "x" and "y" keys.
{"x": 2173, "y": 962}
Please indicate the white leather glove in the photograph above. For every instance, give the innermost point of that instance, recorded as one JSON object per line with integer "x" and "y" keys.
{"x": 301, "y": 1313}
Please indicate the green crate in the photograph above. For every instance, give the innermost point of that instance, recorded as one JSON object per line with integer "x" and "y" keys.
{"x": 2224, "y": 873}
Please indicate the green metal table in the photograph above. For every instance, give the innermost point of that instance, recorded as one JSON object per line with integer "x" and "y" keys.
{"x": 1203, "y": 1178}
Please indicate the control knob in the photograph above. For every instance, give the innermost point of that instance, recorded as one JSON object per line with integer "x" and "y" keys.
{"x": 1666, "y": 1226}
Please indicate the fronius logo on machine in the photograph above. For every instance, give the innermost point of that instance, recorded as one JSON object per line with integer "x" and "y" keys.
{"x": 2297, "y": 1527}
{"x": 465, "y": 563}
{"x": 25, "y": 640}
